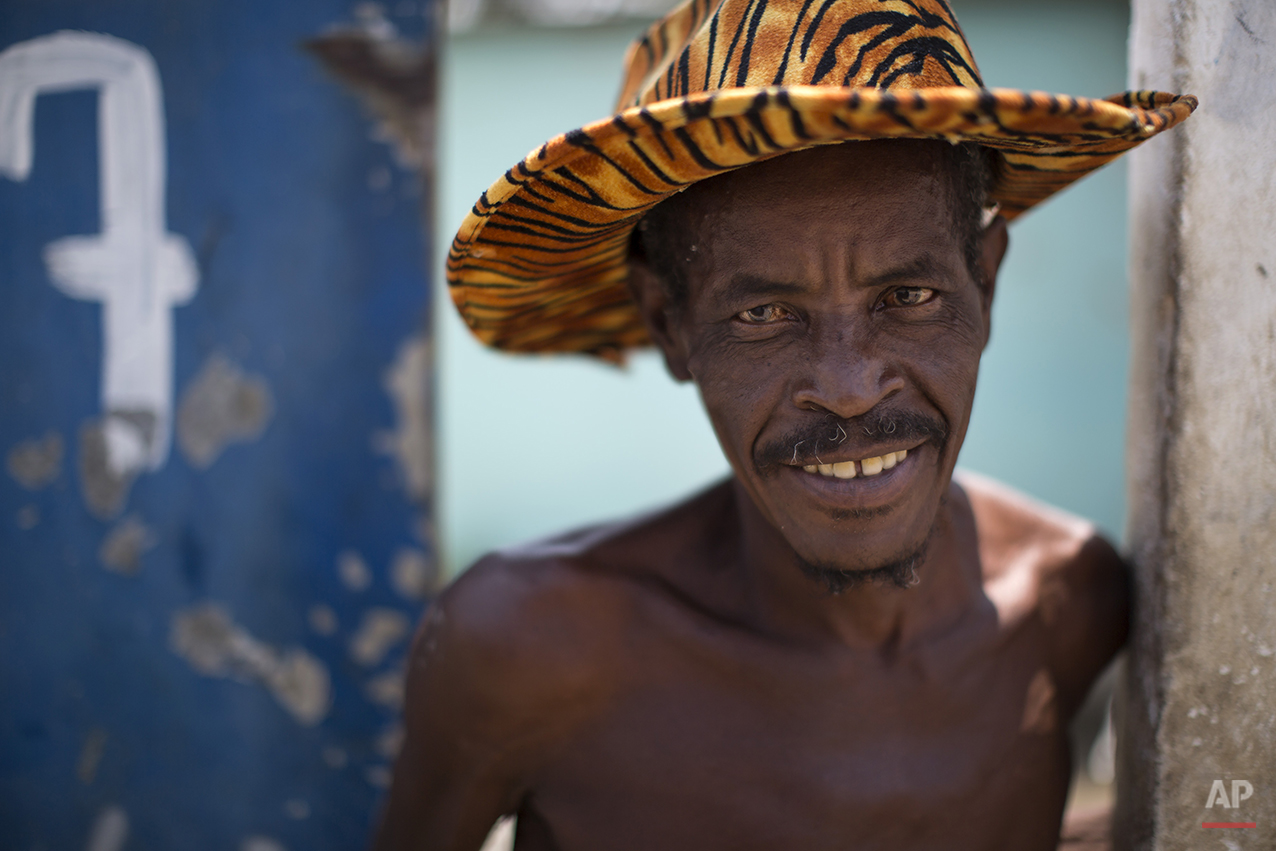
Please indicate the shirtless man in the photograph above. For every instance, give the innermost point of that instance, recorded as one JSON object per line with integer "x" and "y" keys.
{"x": 840, "y": 646}
{"x": 688, "y": 680}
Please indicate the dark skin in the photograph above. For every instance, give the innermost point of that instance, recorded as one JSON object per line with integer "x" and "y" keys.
{"x": 678, "y": 681}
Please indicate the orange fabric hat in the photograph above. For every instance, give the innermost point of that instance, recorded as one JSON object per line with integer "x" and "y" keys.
{"x": 539, "y": 264}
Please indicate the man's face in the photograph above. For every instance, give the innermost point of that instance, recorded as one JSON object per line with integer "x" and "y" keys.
{"x": 831, "y": 319}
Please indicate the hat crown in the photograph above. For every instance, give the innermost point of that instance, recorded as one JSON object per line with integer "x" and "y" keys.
{"x": 703, "y": 45}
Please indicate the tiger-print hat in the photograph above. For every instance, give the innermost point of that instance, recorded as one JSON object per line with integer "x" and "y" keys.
{"x": 539, "y": 264}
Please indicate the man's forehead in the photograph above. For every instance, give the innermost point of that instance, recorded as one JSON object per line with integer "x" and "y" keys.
{"x": 893, "y": 191}
{"x": 829, "y": 179}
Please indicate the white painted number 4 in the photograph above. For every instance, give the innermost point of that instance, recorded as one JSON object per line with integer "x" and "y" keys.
{"x": 1241, "y": 789}
{"x": 135, "y": 267}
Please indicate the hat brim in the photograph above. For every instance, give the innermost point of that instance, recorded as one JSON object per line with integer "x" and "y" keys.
{"x": 539, "y": 264}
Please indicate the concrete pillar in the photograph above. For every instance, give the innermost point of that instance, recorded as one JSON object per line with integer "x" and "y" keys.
{"x": 1200, "y": 705}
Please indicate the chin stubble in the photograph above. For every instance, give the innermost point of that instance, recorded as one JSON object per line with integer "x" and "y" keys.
{"x": 899, "y": 573}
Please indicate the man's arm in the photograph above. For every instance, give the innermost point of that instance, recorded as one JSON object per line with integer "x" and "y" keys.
{"x": 1086, "y": 606}
{"x": 469, "y": 719}
{"x": 502, "y": 669}
{"x": 1082, "y": 582}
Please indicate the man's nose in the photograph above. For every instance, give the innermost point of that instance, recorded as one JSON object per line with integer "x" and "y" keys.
{"x": 847, "y": 374}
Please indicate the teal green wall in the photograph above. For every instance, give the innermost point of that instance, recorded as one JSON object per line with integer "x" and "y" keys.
{"x": 533, "y": 445}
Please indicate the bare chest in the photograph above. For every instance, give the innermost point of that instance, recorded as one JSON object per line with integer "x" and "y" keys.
{"x": 707, "y": 749}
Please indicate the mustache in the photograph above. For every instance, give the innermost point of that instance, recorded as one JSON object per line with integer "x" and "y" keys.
{"x": 803, "y": 446}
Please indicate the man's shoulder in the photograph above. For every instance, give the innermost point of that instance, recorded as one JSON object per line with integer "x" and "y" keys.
{"x": 514, "y": 648}
{"x": 518, "y": 655}
{"x": 1075, "y": 583}
{"x": 1029, "y": 542}
{"x": 540, "y": 606}
{"x": 1017, "y": 532}
{"x": 564, "y": 601}
{"x": 631, "y": 547}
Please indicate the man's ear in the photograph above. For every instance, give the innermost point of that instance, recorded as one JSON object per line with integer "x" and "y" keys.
{"x": 992, "y": 250}
{"x": 659, "y": 314}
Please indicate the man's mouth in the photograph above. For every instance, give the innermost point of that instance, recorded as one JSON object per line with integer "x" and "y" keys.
{"x": 863, "y": 467}
{"x": 826, "y": 448}
{"x": 876, "y": 484}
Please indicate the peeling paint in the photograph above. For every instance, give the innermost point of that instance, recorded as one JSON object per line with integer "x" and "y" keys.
{"x": 386, "y": 689}
{"x": 322, "y": 618}
{"x": 112, "y": 453}
{"x": 28, "y": 517}
{"x": 407, "y": 382}
{"x": 210, "y": 641}
{"x": 379, "y": 179}
{"x": 353, "y": 571}
{"x": 122, "y": 550}
{"x": 109, "y": 831}
{"x": 91, "y": 756}
{"x": 378, "y": 776}
{"x": 261, "y": 843}
{"x": 221, "y": 405}
{"x": 380, "y": 630}
{"x": 390, "y": 742}
{"x": 413, "y": 574}
{"x": 395, "y": 79}
{"x": 423, "y": 528}
{"x": 334, "y": 757}
{"x": 296, "y": 808}
{"x": 36, "y": 463}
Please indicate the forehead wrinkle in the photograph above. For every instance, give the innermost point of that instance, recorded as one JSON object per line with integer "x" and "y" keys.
{"x": 745, "y": 286}
{"x": 810, "y": 235}
{"x": 800, "y": 219}
{"x": 924, "y": 266}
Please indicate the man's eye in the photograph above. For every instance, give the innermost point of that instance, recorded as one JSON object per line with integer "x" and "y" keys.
{"x": 762, "y": 314}
{"x": 909, "y": 296}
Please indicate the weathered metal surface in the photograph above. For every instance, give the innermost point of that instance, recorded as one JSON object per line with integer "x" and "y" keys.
{"x": 214, "y": 422}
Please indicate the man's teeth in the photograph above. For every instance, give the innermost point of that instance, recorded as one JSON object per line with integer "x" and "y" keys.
{"x": 867, "y": 467}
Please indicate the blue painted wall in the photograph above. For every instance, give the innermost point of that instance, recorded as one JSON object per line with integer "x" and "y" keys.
{"x": 162, "y": 660}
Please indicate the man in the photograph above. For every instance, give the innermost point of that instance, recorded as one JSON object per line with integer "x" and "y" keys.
{"x": 839, "y": 647}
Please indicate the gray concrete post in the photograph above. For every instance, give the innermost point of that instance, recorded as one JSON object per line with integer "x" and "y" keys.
{"x": 1198, "y": 741}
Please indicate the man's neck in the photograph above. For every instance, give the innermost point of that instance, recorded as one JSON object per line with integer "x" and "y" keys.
{"x": 784, "y": 601}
